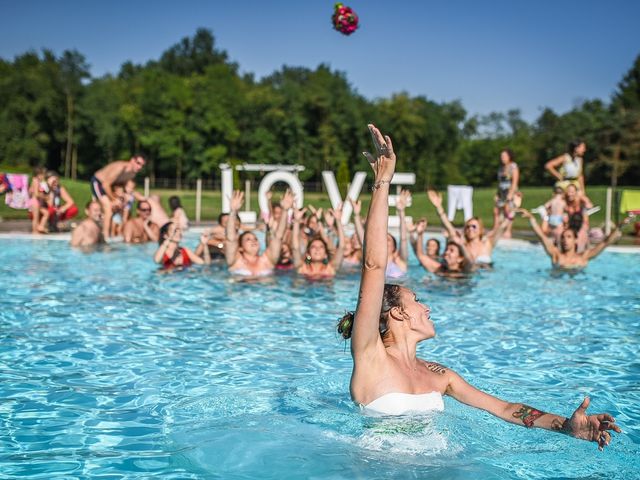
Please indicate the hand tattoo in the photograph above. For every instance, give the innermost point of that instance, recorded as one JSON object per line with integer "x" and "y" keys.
{"x": 528, "y": 415}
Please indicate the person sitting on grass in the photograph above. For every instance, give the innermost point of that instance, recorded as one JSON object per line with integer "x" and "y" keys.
{"x": 61, "y": 206}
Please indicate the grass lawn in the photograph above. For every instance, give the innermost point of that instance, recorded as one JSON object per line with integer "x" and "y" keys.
{"x": 211, "y": 203}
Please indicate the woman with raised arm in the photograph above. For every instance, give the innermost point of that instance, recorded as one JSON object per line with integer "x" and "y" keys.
{"x": 243, "y": 252}
{"x": 353, "y": 245}
{"x": 388, "y": 323}
{"x": 566, "y": 255}
{"x": 479, "y": 246}
{"x": 455, "y": 261}
{"x": 321, "y": 260}
{"x": 172, "y": 256}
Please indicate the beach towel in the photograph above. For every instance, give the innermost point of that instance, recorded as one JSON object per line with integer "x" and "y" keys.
{"x": 459, "y": 197}
{"x": 18, "y": 195}
{"x": 630, "y": 201}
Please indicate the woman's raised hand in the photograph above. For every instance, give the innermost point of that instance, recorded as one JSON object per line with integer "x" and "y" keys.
{"x": 421, "y": 226}
{"x": 235, "y": 202}
{"x": 356, "y": 205}
{"x": 298, "y": 214}
{"x": 287, "y": 200}
{"x": 403, "y": 200}
{"x": 435, "y": 197}
{"x": 329, "y": 218}
{"x": 384, "y": 162}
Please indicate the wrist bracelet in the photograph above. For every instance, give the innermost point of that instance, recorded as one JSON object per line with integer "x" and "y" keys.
{"x": 378, "y": 184}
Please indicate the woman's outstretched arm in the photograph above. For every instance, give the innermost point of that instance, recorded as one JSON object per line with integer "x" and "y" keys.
{"x": 231, "y": 245}
{"x": 593, "y": 428}
{"x": 357, "y": 219}
{"x": 401, "y": 204}
{"x": 273, "y": 250}
{"x": 436, "y": 199}
{"x": 298, "y": 216}
{"x": 548, "y": 245}
{"x": 365, "y": 334}
{"x": 416, "y": 242}
{"x": 338, "y": 254}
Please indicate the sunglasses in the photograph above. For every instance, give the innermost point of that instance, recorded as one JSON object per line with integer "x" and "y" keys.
{"x": 144, "y": 209}
{"x": 472, "y": 226}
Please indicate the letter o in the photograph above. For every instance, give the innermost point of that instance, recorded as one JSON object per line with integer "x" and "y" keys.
{"x": 279, "y": 176}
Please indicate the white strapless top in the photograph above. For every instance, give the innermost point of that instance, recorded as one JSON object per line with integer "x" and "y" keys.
{"x": 401, "y": 403}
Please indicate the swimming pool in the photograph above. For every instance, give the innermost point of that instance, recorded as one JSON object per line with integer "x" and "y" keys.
{"x": 111, "y": 370}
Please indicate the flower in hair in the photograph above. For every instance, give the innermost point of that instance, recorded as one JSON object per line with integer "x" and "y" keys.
{"x": 344, "y": 19}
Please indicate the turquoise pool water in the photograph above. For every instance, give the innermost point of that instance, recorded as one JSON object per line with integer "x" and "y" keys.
{"x": 111, "y": 370}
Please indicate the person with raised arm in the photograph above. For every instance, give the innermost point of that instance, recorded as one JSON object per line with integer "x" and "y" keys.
{"x": 455, "y": 261}
{"x": 566, "y": 256}
{"x": 389, "y": 322}
{"x": 242, "y": 252}
{"x": 321, "y": 260}
{"x": 479, "y": 246}
{"x": 172, "y": 256}
{"x": 353, "y": 246}
{"x": 568, "y": 168}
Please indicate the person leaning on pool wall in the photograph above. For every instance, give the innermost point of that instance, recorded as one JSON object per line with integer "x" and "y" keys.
{"x": 390, "y": 321}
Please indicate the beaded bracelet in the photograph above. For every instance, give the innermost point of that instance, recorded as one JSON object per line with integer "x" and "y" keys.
{"x": 377, "y": 185}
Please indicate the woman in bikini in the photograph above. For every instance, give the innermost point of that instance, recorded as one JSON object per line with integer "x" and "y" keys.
{"x": 242, "y": 252}
{"x": 455, "y": 261}
{"x": 388, "y": 323}
{"x": 320, "y": 260}
{"x": 478, "y": 245}
{"x": 566, "y": 255}
{"x": 172, "y": 256}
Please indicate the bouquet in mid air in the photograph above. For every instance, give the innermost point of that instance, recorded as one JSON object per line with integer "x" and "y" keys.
{"x": 344, "y": 19}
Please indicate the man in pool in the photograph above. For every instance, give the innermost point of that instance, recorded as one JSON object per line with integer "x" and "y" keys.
{"x": 388, "y": 378}
{"x": 115, "y": 173}
{"x": 89, "y": 232}
{"x": 140, "y": 229}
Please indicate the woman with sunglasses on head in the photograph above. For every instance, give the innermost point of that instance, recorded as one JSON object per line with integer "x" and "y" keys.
{"x": 478, "y": 245}
{"x": 320, "y": 260}
{"x": 172, "y": 256}
{"x": 243, "y": 252}
{"x": 388, "y": 378}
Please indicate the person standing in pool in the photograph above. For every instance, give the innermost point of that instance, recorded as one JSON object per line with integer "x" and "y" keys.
{"x": 89, "y": 232}
{"x": 390, "y": 321}
{"x": 566, "y": 255}
{"x": 479, "y": 246}
{"x": 172, "y": 256}
{"x": 243, "y": 252}
{"x": 114, "y": 173}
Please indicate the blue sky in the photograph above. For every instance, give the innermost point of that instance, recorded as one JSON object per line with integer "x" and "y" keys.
{"x": 491, "y": 55}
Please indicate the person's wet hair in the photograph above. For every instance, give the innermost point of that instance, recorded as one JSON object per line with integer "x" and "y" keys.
{"x": 390, "y": 298}
{"x": 164, "y": 231}
{"x": 174, "y": 202}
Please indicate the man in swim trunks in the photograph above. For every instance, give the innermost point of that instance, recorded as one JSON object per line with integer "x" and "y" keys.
{"x": 140, "y": 229}
{"x": 89, "y": 232}
{"x": 115, "y": 173}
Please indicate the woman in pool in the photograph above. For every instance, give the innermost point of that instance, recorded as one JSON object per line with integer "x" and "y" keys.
{"x": 388, "y": 323}
{"x": 566, "y": 256}
{"x": 243, "y": 252}
{"x": 454, "y": 263}
{"x": 319, "y": 261}
{"x": 479, "y": 246}
{"x": 172, "y": 255}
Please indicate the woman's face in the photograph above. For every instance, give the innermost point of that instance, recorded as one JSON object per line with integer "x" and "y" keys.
{"x": 175, "y": 232}
{"x": 433, "y": 249}
{"x": 250, "y": 244}
{"x": 452, "y": 257}
{"x": 472, "y": 229}
{"x": 568, "y": 240}
{"x": 504, "y": 158}
{"x": 391, "y": 248}
{"x": 571, "y": 193}
{"x": 317, "y": 251}
{"x": 285, "y": 252}
{"x": 581, "y": 149}
{"x": 312, "y": 223}
{"x": 419, "y": 314}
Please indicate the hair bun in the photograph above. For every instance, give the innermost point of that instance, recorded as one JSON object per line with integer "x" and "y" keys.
{"x": 345, "y": 324}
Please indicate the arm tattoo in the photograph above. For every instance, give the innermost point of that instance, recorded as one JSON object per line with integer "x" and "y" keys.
{"x": 436, "y": 368}
{"x": 528, "y": 415}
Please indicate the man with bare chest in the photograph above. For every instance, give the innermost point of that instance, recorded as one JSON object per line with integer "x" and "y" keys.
{"x": 103, "y": 181}
{"x": 140, "y": 229}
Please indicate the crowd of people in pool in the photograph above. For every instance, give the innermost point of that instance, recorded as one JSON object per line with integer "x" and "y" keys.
{"x": 312, "y": 242}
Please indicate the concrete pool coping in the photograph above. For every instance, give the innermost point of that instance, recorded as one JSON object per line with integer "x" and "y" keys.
{"x": 510, "y": 243}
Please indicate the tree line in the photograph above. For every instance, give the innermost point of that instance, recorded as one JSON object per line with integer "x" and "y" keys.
{"x": 191, "y": 110}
